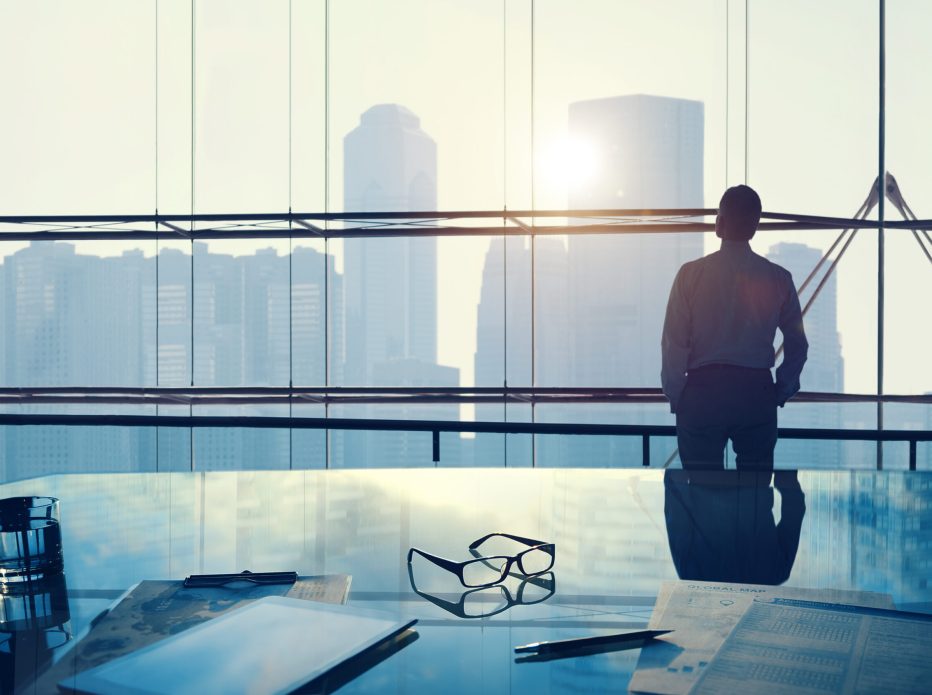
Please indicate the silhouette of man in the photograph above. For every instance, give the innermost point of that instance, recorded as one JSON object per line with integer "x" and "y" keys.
{"x": 721, "y": 320}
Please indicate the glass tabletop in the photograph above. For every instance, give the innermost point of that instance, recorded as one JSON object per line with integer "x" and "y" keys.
{"x": 617, "y": 536}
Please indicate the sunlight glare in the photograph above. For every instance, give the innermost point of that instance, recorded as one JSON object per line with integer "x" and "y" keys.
{"x": 569, "y": 162}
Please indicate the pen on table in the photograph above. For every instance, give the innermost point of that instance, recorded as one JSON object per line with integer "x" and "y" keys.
{"x": 630, "y": 640}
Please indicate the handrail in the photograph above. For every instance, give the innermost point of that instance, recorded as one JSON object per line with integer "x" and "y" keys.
{"x": 263, "y": 395}
{"x": 437, "y": 426}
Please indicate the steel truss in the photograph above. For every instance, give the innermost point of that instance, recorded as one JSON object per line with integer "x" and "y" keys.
{"x": 344, "y": 225}
{"x": 338, "y": 225}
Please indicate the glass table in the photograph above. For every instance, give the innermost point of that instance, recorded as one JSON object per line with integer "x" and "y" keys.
{"x": 618, "y": 535}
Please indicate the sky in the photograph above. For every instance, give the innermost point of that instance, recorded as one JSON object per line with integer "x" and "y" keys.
{"x": 97, "y": 118}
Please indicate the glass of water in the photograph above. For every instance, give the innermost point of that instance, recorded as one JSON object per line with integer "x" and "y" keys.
{"x": 30, "y": 539}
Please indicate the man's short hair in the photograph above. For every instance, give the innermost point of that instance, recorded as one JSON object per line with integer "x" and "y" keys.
{"x": 738, "y": 213}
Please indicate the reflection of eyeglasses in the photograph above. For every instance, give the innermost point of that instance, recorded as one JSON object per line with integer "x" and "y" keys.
{"x": 484, "y": 602}
{"x": 486, "y": 571}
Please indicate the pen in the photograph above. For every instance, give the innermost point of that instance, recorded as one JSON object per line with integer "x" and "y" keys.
{"x": 630, "y": 640}
{"x": 215, "y": 580}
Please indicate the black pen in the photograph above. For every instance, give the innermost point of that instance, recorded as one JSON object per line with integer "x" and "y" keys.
{"x": 631, "y": 640}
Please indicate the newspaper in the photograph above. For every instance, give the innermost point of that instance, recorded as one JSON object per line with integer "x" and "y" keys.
{"x": 702, "y": 615}
{"x": 807, "y": 647}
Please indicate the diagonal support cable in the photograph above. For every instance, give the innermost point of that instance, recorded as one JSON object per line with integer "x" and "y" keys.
{"x": 895, "y": 196}
{"x": 869, "y": 203}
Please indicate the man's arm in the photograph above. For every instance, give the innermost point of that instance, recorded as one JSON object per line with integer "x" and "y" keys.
{"x": 675, "y": 343}
{"x": 795, "y": 345}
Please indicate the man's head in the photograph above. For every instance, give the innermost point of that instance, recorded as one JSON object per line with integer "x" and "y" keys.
{"x": 738, "y": 214}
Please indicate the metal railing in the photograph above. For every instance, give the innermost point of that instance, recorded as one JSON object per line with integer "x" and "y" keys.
{"x": 435, "y": 427}
{"x": 298, "y": 225}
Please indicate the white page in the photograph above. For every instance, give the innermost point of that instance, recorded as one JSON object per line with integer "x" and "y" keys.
{"x": 809, "y": 648}
{"x": 703, "y": 614}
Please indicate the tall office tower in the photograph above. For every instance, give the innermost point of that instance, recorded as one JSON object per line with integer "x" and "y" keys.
{"x": 651, "y": 152}
{"x": 317, "y": 342}
{"x": 53, "y": 339}
{"x": 174, "y": 318}
{"x": 390, "y": 165}
{"x": 219, "y": 334}
{"x": 651, "y": 156}
{"x": 824, "y": 370}
{"x": 241, "y": 339}
{"x": 503, "y": 329}
{"x": 390, "y": 285}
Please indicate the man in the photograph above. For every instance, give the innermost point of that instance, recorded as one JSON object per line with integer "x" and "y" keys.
{"x": 717, "y": 344}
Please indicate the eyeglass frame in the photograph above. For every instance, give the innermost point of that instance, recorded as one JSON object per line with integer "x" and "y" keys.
{"x": 458, "y": 568}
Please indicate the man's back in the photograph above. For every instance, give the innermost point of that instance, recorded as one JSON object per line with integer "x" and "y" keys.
{"x": 736, "y": 293}
{"x": 718, "y": 336}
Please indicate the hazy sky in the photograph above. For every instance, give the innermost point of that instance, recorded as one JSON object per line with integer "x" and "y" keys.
{"x": 78, "y": 127}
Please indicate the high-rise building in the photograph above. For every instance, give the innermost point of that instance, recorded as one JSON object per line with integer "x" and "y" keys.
{"x": 824, "y": 370}
{"x": 50, "y": 339}
{"x": 503, "y": 335}
{"x": 390, "y": 164}
{"x": 651, "y": 157}
{"x": 651, "y": 151}
{"x": 599, "y": 302}
{"x": 241, "y": 337}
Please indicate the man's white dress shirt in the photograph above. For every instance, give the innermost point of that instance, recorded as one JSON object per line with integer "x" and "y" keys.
{"x": 725, "y": 308}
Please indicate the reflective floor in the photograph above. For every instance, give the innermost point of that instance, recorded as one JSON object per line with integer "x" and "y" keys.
{"x": 617, "y": 535}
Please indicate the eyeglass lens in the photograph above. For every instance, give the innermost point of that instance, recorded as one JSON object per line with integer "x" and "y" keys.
{"x": 485, "y": 571}
{"x": 535, "y": 561}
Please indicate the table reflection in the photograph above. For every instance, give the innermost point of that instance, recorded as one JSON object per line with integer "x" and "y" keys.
{"x": 721, "y": 525}
{"x": 621, "y": 534}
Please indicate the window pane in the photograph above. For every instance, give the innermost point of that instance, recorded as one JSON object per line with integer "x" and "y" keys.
{"x": 908, "y": 269}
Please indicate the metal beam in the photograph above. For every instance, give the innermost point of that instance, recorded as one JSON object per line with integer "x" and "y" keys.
{"x": 372, "y": 424}
{"x": 260, "y": 395}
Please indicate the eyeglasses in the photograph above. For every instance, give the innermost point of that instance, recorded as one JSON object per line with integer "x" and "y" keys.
{"x": 487, "y": 571}
{"x": 486, "y": 601}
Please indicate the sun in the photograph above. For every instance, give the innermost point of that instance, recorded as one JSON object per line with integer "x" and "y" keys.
{"x": 570, "y": 162}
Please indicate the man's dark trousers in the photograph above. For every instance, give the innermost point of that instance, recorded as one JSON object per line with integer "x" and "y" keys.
{"x": 722, "y": 402}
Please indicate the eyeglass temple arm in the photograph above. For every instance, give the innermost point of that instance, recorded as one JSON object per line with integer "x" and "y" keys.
{"x": 448, "y": 565}
{"x": 521, "y": 539}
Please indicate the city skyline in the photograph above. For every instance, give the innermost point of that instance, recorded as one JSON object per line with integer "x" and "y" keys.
{"x": 597, "y": 320}
{"x": 219, "y": 129}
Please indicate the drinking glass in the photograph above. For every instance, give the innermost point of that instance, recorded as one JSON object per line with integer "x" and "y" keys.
{"x": 30, "y": 539}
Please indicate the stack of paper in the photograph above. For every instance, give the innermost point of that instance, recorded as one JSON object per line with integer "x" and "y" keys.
{"x": 703, "y": 616}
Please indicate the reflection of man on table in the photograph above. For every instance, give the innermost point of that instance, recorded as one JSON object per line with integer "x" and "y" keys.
{"x": 721, "y": 527}
{"x": 722, "y": 317}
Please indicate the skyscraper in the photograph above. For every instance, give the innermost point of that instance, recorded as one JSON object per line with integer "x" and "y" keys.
{"x": 51, "y": 339}
{"x": 651, "y": 156}
{"x": 72, "y": 319}
{"x": 503, "y": 334}
{"x": 825, "y": 368}
{"x": 390, "y": 164}
{"x": 651, "y": 151}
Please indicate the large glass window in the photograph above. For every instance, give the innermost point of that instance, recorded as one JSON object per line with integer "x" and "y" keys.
{"x": 364, "y": 106}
